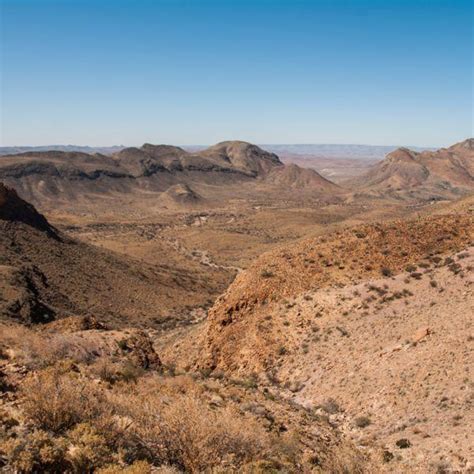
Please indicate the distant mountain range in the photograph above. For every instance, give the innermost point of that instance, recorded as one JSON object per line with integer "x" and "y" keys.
{"x": 54, "y": 175}
{"x": 323, "y": 150}
{"x": 232, "y": 169}
{"x": 338, "y": 151}
{"x": 106, "y": 150}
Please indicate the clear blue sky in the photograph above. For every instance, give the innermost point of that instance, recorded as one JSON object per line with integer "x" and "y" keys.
{"x": 196, "y": 72}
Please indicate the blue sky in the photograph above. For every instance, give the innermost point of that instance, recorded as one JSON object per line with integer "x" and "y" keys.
{"x": 198, "y": 72}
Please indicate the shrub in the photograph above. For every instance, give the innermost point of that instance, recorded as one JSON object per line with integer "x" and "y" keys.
{"x": 89, "y": 448}
{"x": 38, "y": 351}
{"x": 191, "y": 437}
{"x": 56, "y": 402}
{"x": 331, "y": 406}
{"x": 362, "y": 421}
{"x": 282, "y": 350}
{"x": 387, "y": 272}
{"x": 36, "y": 452}
{"x": 138, "y": 467}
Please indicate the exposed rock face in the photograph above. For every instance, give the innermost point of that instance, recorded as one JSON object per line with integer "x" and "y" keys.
{"x": 244, "y": 157}
{"x": 140, "y": 351}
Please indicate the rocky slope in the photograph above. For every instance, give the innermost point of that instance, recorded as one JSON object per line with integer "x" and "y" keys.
{"x": 369, "y": 325}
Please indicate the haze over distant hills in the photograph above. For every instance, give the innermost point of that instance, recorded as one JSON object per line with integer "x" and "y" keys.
{"x": 323, "y": 150}
{"x": 338, "y": 151}
{"x": 12, "y": 150}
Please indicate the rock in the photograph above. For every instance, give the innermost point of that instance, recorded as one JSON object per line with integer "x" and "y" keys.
{"x": 141, "y": 352}
{"x": 216, "y": 400}
{"x": 420, "y": 334}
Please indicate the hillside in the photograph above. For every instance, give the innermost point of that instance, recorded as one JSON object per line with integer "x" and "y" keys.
{"x": 294, "y": 177}
{"x": 180, "y": 196}
{"x": 45, "y": 274}
{"x": 383, "y": 307}
{"x": 443, "y": 174}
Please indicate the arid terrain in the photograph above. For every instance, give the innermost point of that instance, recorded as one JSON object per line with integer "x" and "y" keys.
{"x": 233, "y": 309}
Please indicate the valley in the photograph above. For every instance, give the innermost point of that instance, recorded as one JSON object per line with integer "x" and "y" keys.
{"x": 305, "y": 324}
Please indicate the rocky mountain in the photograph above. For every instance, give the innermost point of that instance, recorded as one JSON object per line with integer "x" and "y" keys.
{"x": 445, "y": 173}
{"x": 64, "y": 176}
{"x": 234, "y": 157}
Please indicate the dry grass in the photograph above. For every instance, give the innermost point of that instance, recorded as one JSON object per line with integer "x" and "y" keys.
{"x": 37, "y": 350}
{"x": 201, "y": 439}
{"x": 163, "y": 421}
{"x": 56, "y": 402}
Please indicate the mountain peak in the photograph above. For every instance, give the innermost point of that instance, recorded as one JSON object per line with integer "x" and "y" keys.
{"x": 466, "y": 144}
{"x": 401, "y": 154}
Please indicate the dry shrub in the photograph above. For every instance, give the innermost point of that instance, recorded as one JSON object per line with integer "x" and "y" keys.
{"x": 56, "y": 402}
{"x": 36, "y": 452}
{"x": 191, "y": 437}
{"x": 89, "y": 448}
{"x": 138, "y": 467}
{"x": 38, "y": 350}
{"x": 170, "y": 423}
{"x": 162, "y": 421}
{"x": 112, "y": 372}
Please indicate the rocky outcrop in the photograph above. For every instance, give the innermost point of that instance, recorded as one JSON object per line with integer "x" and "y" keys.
{"x": 140, "y": 351}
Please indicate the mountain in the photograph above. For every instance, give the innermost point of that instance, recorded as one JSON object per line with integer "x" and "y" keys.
{"x": 445, "y": 173}
{"x": 341, "y": 151}
{"x": 46, "y": 275}
{"x": 234, "y": 157}
{"x": 58, "y": 176}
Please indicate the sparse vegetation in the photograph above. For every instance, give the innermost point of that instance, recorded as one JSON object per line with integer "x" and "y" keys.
{"x": 387, "y": 272}
{"x": 362, "y": 421}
